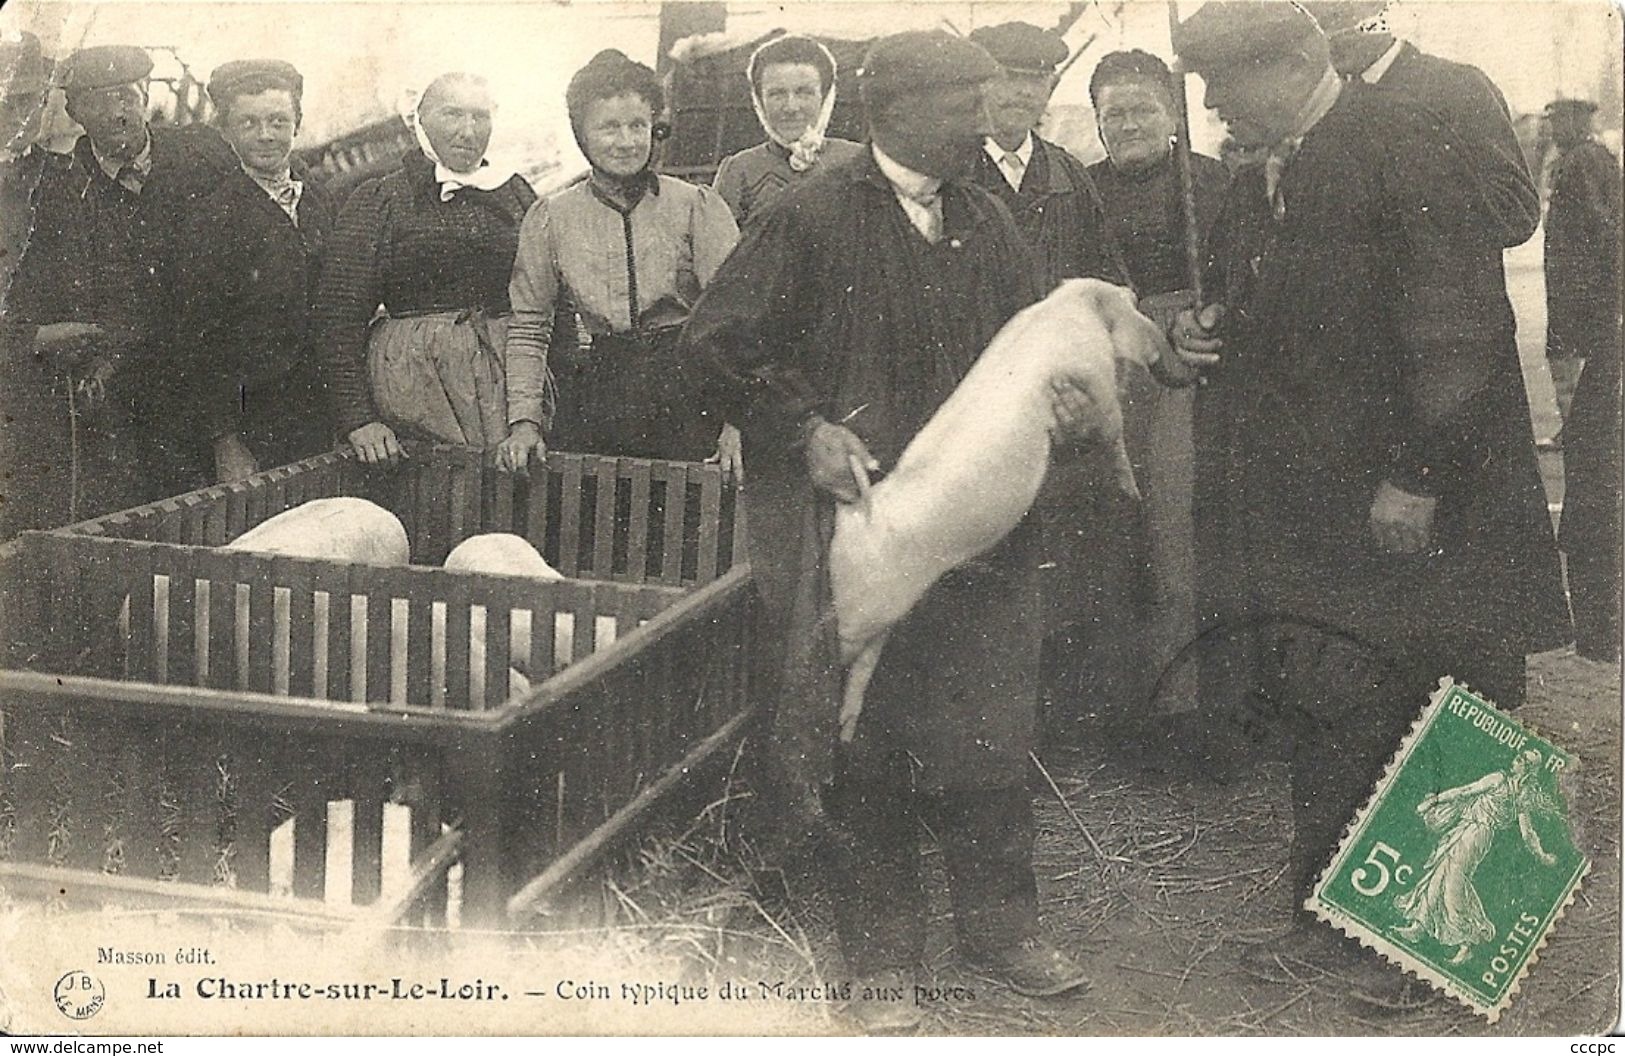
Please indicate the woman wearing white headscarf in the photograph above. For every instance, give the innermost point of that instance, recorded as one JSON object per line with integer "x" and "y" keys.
{"x": 433, "y": 244}
{"x": 792, "y": 84}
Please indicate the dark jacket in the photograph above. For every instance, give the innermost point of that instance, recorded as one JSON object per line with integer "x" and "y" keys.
{"x": 1582, "y": 253}
{"x": 1145, "y": 217}
{"x": 245, "y": 291}
{"x": 833, "y": 304}
{"x": 1471, "y": 115}
{"x": 1369, "y": 337}
{"x": 1059, "y": 213}
{"x": 397, "y": 244}
{"x": 100, "y": 253}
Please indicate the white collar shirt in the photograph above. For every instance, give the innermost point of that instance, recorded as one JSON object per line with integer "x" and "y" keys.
{"x": 917, "y": 193}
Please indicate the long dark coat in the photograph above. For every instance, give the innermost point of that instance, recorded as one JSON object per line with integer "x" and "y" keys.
{"x": 1582, "y": 253}
{"x": 1369, "y": 338}
{"x": 1466, "y": 111}
{"x": 101, "y": 253}
{"x": 245, "y": 292}
{"x": 834, "y": 304}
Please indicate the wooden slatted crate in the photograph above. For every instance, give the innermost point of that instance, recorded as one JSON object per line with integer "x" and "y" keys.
{"x": 197, "y": 725}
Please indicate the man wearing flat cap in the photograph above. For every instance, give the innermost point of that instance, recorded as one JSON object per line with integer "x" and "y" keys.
{"x": 90, "y": 291}
{"x": 1365, "y": 459}
{"x": 1094, "y": 546}
{"x": 1583, "y": 338}
{"x": 246, "y": 285}
{"x": 846, "y": 316}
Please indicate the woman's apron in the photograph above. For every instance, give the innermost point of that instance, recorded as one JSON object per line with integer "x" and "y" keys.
{"x": 441, "y": 375}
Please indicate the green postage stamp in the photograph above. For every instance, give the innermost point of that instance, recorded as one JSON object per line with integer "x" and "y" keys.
{"x": 1461, "y": 862}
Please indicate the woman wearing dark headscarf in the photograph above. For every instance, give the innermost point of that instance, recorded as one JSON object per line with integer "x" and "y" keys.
{"x": 792, "y": 84}
{"x": 433, "y": 243}
{"x": 630, "y": 251}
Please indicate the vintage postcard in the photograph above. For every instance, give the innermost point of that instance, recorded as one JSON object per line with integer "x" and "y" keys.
{"x": 744, "y": 518}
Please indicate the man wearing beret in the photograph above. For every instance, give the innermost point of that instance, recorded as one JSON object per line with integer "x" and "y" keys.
{"x": 846, "y": 316}
{"x": 1583, "y": 331}
{"x": 89, "y": 292}
{"x": 1467, "y": 107}
{"x": 1365, "y": 460}
{"x": 246, "y": 284}
{"x": 1093, "y": 538}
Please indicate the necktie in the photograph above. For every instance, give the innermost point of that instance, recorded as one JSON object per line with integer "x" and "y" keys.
{"x": 1014, "y": 168}
{"x": 925, "y": 212}
{"x": 1275, "y": 164}
{"x": 130, "y": 177}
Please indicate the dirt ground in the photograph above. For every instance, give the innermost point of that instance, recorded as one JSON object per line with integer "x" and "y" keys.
{"x": 1189, "y": 872}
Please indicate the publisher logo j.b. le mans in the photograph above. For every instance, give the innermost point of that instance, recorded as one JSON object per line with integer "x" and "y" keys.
{"x": 79, "y": 995}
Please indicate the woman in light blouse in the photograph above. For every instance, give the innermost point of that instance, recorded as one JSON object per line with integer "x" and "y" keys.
{"x": 629, "y": 251}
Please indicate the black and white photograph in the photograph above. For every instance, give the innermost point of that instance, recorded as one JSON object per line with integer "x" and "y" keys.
{"x": 718, "y": 517}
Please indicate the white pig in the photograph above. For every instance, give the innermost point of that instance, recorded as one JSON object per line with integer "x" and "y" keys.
{"x": 500, "y": 553}
{"x": 972, "y": 473}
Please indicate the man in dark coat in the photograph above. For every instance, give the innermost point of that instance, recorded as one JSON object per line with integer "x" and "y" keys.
{"x": 25, "y": 424}
{"x": 1365, "y": 461}
{"x": 846, "y": 316}
{"x": 90, "y": 291}
{"x": 1583, "y": 327}
{"x": 247, "y": 284}
{"x": 1465, "y": 106}
{"x": 1094, "y": 545}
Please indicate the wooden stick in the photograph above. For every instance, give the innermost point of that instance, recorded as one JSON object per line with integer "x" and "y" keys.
{"x": 1187, "y": 181}
{"x": 1087, "y": 835}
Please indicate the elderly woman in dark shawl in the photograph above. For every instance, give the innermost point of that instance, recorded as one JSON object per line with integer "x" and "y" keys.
{"x": 792, "y": 85}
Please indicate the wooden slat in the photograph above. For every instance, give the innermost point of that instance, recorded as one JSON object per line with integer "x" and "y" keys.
{"x": 89, "y": 772}
{"x": 710, "y": 521}
{"x": 637, "y": 541}
{"x": 536, "y": 508}
{"x": 603, "y": 538}
{"x": 427, "y": 805}
{"x": 150, "y": 895}
{"x": 502, "y": 489}
{"x": 368, "y": 775}
{"x": 541, "y": 640}
{"x": 476, "y": 778}
{"x": 456, "y": 593}
{"x": 300, "y": 577}
{"x": 335, "y": 582}
{"x": 256, "y": 571}
{"x": 260, "y": 766}
{"x": 419, "y": 638}
{"x": 216, "y": 531}
{"x": 178, "y": 564}
{"x": 431, "y": 519}
{"x": 195, "y": 518}
{"x": 676, "y": 477}
{"x": 380, "y": 635}
{"x": 585, "y": 607}
{"x": 570, "y": 518}
{"x": 140, "y": 764}
{"x": 497, "y": 650}
{"x": 63, "y": 595}
{"x": 194, "y": 776}
{"x": 256, "y": 503}
{"x": 220, "y": 570}
{"x": 309, "y": 793}
{"x": 236, "y": 511}
{"x": 464, "y": 503}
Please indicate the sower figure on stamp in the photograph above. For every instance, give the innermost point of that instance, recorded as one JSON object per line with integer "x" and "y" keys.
{"x": 1365, "y": 459}
{"x": 89, "y": 292}
{"x": 1094, "y": 548}
{"x": 848, "y": 314}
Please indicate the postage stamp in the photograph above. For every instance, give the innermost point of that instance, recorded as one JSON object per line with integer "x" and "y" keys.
{"x": 1463, "y": 859}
